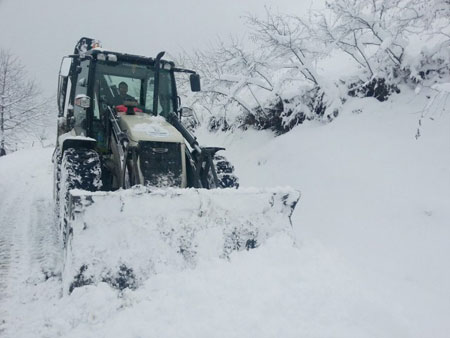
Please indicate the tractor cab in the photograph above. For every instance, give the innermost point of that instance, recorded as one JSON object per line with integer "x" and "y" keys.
{"x": 93, "y": 80}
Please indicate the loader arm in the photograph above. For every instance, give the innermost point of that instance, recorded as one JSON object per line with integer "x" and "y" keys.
{"x": 122, "y": 142}
{"x": 201, "y": 155}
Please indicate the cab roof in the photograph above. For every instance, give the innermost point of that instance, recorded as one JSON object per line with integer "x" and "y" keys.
{"x": 89, "y": 46}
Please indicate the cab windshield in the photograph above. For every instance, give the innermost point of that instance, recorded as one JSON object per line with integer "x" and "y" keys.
{"x": 131, "y": 84}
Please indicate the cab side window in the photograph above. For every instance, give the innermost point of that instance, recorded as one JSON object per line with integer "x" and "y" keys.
{"x": 81, "y": 88}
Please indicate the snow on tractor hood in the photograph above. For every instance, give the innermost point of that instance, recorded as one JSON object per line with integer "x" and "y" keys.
{"x": 149, "y": 128}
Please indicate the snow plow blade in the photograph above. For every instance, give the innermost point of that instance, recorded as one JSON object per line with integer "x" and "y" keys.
{"x": 126, "y": 236}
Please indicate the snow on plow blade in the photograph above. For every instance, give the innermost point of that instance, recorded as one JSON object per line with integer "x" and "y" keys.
{"x": 124, "y": 237}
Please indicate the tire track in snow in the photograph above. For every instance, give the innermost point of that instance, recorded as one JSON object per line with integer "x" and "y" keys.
{"x": 8, "y": 250}
{"x": 28, "y": 237}
{"x": 7, "y": 224}
{"x": 44, "y": 241}
{"x": 5, "y": 255}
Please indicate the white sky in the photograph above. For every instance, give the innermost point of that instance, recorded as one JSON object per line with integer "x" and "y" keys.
{"x": 40, "y": 32}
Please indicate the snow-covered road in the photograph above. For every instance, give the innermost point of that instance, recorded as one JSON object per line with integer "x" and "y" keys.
{"x": 29, "y": 249}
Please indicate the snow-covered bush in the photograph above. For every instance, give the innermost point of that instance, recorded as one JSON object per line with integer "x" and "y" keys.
{"x": 283, "y": 113}
{"x": 299, "y": 91}
{"x": 278, "y": 78}
{"x": 268, "y": 83}
{"x": 378, "y": 88}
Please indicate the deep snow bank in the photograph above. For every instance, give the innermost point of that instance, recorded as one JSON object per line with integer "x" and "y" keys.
{"x": 373, "y": 194}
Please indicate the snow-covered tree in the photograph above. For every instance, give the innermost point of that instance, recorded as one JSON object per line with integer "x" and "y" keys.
{"x": 232, "y": 81}
{"x": 294, "y": 52}
{"x": 383, "y": 38}
{"x": 269, "y": 81}
{"x": 278, "y": 78}
{"x": 22, "y": 110}
{"x": 288, "y": 40}
{"x": 372, "y": 32}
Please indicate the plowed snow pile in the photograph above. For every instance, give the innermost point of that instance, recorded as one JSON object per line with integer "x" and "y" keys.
{"x": 167, "y": 228}
{"x": 370, "y": 258}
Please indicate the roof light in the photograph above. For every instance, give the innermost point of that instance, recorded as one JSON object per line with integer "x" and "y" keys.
{"x": 167, "y": 66}
{"x": 112, "y": 57}
{"x": 101, "y": 57}
{"x": 96, "y": 44}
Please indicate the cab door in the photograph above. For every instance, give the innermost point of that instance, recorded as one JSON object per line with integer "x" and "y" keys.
{"x": 81, "y": 114}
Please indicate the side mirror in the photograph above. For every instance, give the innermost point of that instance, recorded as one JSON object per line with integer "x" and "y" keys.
{"x": 186, "y": 112}
{"x": 64, "y": 68}
{"x": 195, "y": 82}
{"x": 61, "y": 94}
{"x": 83, "y": 101}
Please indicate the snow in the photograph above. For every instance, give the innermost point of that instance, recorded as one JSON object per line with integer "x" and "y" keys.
{"x": 154, "y": 129}
{"x": 387, "y": 43}
{"x": 70, "y": 136}
{"x": 173, "y": 227}
{"x": 443, "y": 87}
{"x": 370, "y": 259}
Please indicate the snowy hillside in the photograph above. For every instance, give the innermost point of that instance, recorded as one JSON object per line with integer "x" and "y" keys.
{"x": 372, "y": 232}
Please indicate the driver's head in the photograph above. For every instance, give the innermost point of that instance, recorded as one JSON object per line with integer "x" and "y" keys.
{"x": 123, "y": 88}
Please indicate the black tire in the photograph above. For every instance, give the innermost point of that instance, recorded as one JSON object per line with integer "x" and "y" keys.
{"x": 56, "y": 184}
{"x": 225, "y": 172}
{"x": 80, "y": 169}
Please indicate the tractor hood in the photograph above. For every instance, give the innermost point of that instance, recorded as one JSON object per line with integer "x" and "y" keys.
{"x": 149, "y": 128}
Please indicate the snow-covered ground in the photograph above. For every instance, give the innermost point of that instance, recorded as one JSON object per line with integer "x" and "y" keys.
{"x": 371, "y": 260}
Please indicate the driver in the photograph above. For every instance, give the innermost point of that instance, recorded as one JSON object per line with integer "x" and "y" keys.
{"x": 123, "y": 96}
